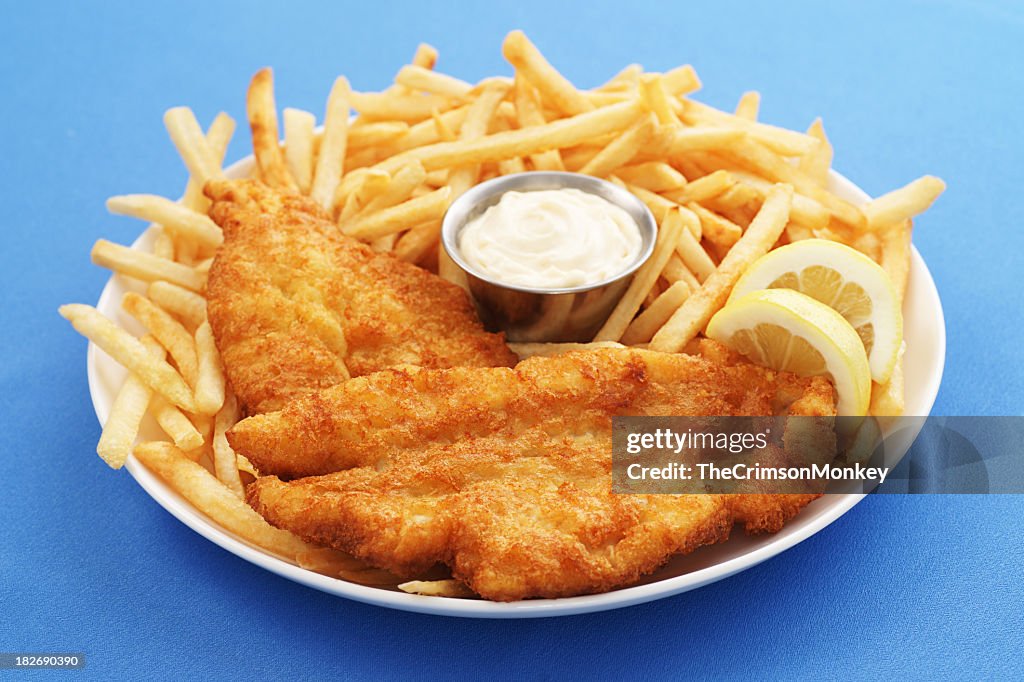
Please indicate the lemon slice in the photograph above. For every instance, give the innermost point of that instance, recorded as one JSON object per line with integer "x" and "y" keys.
{"x": 845, "y": 280}
{"x": 787, "y": 330}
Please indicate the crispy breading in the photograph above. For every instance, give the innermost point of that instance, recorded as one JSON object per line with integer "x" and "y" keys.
{"x": 296, "y": 306}
{"x": 505, "y": 474}
{"x": 364, "y": 420}
{"x": 510, "y": 525}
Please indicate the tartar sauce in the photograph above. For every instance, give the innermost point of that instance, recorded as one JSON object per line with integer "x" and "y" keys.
{"x": 551, "y": 238}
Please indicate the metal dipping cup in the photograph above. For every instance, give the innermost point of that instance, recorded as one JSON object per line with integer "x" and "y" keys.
{"x": 539, "y": 313}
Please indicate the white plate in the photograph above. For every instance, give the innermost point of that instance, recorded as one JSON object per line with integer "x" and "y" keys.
{"x": 925, "y": 334}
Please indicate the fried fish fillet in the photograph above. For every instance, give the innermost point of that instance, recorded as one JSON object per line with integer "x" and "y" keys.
{"x": 505, "y": 474}
{"x": 295, "y": 306}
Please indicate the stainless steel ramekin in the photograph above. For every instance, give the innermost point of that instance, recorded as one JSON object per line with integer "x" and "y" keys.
{"x": 538, "y": 313}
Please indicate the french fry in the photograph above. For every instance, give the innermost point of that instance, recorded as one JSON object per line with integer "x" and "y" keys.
{"x": 796, "y": 232}
{"x": 213, "y": 498}
{"x": 522, "y": 142}
{"x": 170, "y": 333}
{"x": 622, "y": 149}
{"x": 359, "y": 188}
{"x": 192, "y": 145}
{"x": 329, "y": 561}
{"x": 903, "y": 203}
{"x": 245, "y": 466}
{"x": 203, "y": 266}
{"x": 426, "y": 132}
{"x": 511, "y": 166}
{"x": 414, "y": 244}
{"x": 603, "y": 99}
{"x": 869, "y": 244}
{"x": 752, "y": 155}
{"x": 179, "y": 219}
{"x": 779, "y": 140}
{"x": 681, "y": 80}
{"x": 575, "y": 158}
{"x": 717, "y": 229}
{"x": 703, "y": 188}
{"x": 529, "y": 113}
{"x": 655, "y": 292}
{"x": 654, "y": 317}
{"x": 693, "y": 315}
{"x": 175, "y": 424}
{"x": 331, "y": 158}
{"x": 187, "y": 305}
{"x": 425, "y": 56}
{"x": 474, "y": 127}
{"x": 386, "y": 106}
{"x": 144, "y": 266}
{"x": 657, "y": 176}
{"x": 530, "y": 350}
{"x": 374, "y": 133}
{"x": 817, "y": 163}
{"x": 384, "y": 244}
{"x": 657, "y": 98}
{"x": 747, "y": 107}
{"x": 461, "y": 179}
{"x": 444, "y": 133}
{"x": 400, "y": 187}
{"x": 739, "y": 195}
{"x": 209, "y": 396}
{"x": 122, "y": 425}
{"x": 371, "y": 577}
{"x": 437, "y": 588}
{"x": 130, "y": 353}
{"x": 643, "y": 280}
{"x": 225, "y": 462}
{"x": 298, "y": 146}
{"x": 689, "y": 167}
{"x": 553, "y": 86}
{"x": 344, "y": 566}
{"x": 896, "y": 255}
{"x": 262, "y": 112}
{"x": 659, "y": 206}
{"x": 353, "y": 180}
{"x": 888, "y": 399}
{"x": 682, "y": 140}
{"x": 426, "y": 80}
{"x": 805, "y": 210}
{"x": 217, "y": 139}
{"x": 163, "y": 244}
{"x": 695, "y": 258}
{"x": 397, "y": 218}
{"x": 676, "y": 271}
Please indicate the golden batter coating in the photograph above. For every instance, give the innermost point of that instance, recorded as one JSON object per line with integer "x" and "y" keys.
{"x": 505, "y": 474}
{"x": 296, "y": 306}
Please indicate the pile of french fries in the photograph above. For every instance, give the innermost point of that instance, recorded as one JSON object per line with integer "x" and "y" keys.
{"x": 724, "y": 188}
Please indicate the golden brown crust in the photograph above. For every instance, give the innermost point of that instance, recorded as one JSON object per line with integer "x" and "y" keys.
{"x": 262, "y": 113}
{"x": 510, "y": 528}
{"x": 364, "y": 420}
{"x": 295, "y": 306}
{"x": 505, "y": 474}
{"x": 767, "y": 513}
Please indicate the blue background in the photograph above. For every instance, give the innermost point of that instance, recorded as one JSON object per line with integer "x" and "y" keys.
{"x": 922, "y": 586}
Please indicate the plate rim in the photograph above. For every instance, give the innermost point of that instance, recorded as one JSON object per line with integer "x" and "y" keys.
{"x": 532, "y": 608}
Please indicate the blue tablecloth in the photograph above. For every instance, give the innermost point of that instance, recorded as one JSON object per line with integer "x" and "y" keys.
{"x": 924, "y": 586}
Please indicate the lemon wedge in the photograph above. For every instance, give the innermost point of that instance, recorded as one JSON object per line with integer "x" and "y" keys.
{"x": 845, "y": 280}
{"x": 787, "y": 330}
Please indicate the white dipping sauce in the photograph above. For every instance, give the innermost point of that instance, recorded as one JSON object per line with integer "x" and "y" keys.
{"x": 554, "y": 239}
